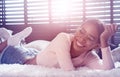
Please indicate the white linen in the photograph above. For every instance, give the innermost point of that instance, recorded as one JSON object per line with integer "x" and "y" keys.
{"x": 17, "y": 70}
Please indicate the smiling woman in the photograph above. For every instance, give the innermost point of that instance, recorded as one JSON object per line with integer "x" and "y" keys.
{"x": 65, "y": 51}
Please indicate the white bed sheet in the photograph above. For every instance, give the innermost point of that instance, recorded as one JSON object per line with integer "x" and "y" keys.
{"x": 17, "y": 70}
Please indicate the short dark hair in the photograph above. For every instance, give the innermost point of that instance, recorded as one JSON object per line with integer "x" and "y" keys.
{"x": 97, "y": 22}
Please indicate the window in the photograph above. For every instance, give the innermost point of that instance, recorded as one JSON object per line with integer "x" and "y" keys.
{"x": 116, "y": 16}
{"x": 71, "y": 12}
{"x": 67, "y": 11}
{"x": 116, "y": 11}
{"x": 38, "y": 11}
{"x": 54, "y": 11}
{"x": 14, "y": 12}
{"x": 1, "y": 12}
{"x": 99, "y": 9}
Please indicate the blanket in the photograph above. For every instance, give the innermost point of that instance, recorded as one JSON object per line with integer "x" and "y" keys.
{"x": 17, "y": 70}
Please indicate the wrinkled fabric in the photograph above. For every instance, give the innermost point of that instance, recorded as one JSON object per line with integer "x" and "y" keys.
{"x": 17, "y": 54}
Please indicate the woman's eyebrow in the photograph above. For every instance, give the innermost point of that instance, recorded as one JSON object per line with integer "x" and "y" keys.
{"x": 90, "y": 35}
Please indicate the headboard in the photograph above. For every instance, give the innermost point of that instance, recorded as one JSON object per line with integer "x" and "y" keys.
{"x": 48, "y": 32}
{"x": 40, "y": 32}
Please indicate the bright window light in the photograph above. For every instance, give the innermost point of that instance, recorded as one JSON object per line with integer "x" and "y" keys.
{"x": 60, "y": 7}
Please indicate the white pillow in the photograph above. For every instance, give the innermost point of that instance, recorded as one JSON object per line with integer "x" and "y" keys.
{"x": 38, "y": 44}
{"x": 5, "y": 34}
{"x": 116, "y": 54}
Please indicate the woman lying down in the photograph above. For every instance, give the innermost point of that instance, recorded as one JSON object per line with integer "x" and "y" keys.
{"x": 65, "y": 51}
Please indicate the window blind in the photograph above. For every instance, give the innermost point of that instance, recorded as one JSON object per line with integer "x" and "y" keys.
{"x": 116, "y": 19}
{"x": 1, "y": 13}
{"x": 98, "y": 9}
{"x": 38, "y": 11}
{"x": 14, "y": 12}
{"x": 67, "y": 11}
{"x": 116, "y": 11}
{"x": 72, "y": 12}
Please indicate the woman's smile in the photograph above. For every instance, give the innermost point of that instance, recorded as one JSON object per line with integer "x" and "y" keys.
{"x": 79, "y": 44}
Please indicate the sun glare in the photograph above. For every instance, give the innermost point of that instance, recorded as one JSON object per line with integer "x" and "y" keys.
{"x": 60, "y": 7}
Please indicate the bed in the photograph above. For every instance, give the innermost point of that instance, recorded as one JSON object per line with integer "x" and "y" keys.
{"x": 17, "y": 70}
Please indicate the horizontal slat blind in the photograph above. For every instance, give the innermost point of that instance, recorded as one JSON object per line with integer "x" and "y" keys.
{"x": 92, "y": 9}
{"x": 56, "y": 11}
{"x": 98, "y": 9}
{"x": 1, "y": 13}
{"x": 116, "y": 19}
{"x": 67, "y": 11}
{"x": 14, "y": 12}
{"x": 116, "y": 11}
{"x": 38, "y": 12}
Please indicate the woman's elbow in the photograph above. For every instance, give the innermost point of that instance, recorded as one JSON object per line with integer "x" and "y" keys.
{"x": 106, "y": 67}
{"x": 109, "y": 67}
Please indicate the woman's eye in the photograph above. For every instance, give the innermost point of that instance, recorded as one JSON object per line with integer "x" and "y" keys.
{"x": 91, "y": 39}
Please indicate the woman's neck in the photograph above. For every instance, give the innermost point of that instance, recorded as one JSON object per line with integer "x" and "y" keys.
{"x": 75, "y": 53}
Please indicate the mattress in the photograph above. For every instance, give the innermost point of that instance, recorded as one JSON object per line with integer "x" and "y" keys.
{"x": 17, "y": 70}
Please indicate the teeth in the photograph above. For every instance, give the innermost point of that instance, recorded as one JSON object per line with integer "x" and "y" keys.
{"x": 79, "y": 44}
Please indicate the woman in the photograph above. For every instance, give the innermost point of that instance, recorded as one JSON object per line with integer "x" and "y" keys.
{"x": 68, "y": 51}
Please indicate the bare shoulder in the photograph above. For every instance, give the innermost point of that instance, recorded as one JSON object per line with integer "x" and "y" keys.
{"x": 63, "y": 34}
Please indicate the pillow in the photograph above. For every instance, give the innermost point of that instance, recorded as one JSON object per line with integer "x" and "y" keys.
{"x": 5, "y": 34}
{"x": 116, "y": 54}
{"x": 16, "y": 54}
{"x": 38, "y": 44}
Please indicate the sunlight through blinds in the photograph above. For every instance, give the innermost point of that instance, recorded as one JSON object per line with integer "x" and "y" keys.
{"x": 116, "y": 11}
{"x": 116, "y": 19}
{"x": 67, "y": 11}
{"x": 98, "y": 9}
{"x": 38, "y": 12}
{"x": 1, "y": 13}
{"x": 14, "y": 12}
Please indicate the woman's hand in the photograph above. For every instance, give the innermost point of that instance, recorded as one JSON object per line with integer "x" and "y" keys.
{"x": 109, "y": 30}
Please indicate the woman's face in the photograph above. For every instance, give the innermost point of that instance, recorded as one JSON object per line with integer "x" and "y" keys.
{"x": 86, "y": 38}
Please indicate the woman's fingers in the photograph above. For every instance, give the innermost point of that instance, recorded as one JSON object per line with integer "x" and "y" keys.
{"x": 114, "y": 28}
{"x": 111, "y": 28}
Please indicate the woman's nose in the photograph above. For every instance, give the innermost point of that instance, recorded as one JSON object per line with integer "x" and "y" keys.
{"x": 82, "y": 39}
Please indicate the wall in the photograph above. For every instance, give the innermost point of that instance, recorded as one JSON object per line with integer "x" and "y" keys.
{"x": 41, "y": 32}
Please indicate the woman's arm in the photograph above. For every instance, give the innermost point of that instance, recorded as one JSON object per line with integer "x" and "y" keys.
{"x": 106, "y": 51}
{"x": 61, "y": 46}
{"x": 107, "y": 61}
